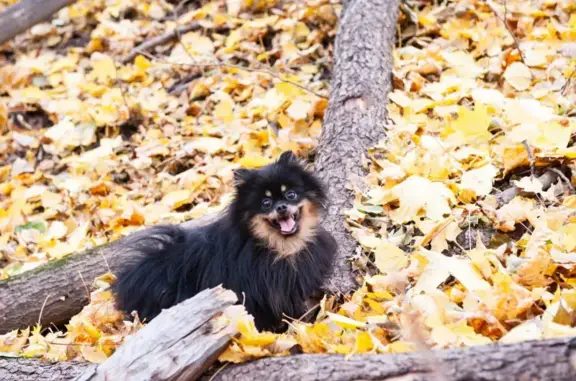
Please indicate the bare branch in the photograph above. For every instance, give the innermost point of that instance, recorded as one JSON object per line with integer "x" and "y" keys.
{"x": 159, "y": 40}
{"x": 232, "y": 66}
{"x": 504, "y": 20}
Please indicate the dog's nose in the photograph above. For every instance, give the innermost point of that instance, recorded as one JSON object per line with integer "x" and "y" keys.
{"x": 282, "y": 208}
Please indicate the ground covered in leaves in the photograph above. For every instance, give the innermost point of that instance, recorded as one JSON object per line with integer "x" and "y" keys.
{"x": 482, "y": 117}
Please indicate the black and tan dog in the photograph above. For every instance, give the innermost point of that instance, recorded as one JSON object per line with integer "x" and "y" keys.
{"x": 267, "y": 246}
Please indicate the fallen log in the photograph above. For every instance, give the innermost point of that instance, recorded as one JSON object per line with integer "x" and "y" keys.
{"x": 550, "y": 360}
{"x": 56, "y": 291}
{"x": 356, "y": 115}
{"x": 25, "y": 14}
{"x": 180, "y": 344}
{"x": 19, "y": 369}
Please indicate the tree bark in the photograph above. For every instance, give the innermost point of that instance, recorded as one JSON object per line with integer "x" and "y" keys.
{"x": 60, "y": 288}
{"x": 356, "y": 115}
{"x": 27, "y": 13}
{"x": 550, "y": 360}
{"x": 179, "y": 344}
{"x": 16, "y": 369}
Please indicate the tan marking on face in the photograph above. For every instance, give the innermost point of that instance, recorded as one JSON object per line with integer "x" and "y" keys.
{"x": 288, "y": 245}
{"x": 268, "y": 194}
{"x": 283, "y": 188}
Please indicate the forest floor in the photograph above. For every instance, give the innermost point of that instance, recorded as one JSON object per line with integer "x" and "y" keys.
{"x": 466, "y": 221}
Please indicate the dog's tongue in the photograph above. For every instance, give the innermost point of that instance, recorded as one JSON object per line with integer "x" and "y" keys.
{"x": 287, "y": 225}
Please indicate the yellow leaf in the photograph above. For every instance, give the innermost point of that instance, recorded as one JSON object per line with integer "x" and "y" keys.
{"x": 258, "y": 339}
{"x": 205, "y": 144}
{"x": 435, "y": 201}
{"x": 389, "y": 258}
{"x": 471, "y": 126}
{"x": 479, "y": 180}
{"x": 369, "y": 241}
{"x": 91, "y": 330}
{"x": 93, "y": 354}
{"x": 364, "y": 343}
{"x": 400, "y": 347}
{"x": 466, "y": 273}
{"x": 518, "y": 76}
{"x": 176, "y": 199}
{"x": 553, "y": 135}
{"x": 142, "y": 64}
{"x": 529, "y": 330}
{"x": 345, "y": 322}
{"x": 103, "y": 69}
{"x": 288, "y": 90}
{"x": 568, "y": 236}
{"x": 515, "y": 156}
{"x": 254, "y": 161}
{"x": 12, "y": 342}
{"x": 299, "y": 110}
{"x": 224, "y": 111}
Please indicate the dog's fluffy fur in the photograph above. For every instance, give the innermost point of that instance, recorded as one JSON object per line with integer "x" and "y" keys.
{"x": 268, "y": 247}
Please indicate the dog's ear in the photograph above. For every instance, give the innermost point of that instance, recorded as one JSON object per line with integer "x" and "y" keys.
{"x": 242, "y": 176}
{"x": 288, "y": 157}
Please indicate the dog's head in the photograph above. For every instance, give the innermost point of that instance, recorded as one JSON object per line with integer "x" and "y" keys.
{"x": 281, "y": 203}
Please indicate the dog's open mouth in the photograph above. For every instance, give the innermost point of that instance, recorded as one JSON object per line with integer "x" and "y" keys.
{"x": 286, "y": 224}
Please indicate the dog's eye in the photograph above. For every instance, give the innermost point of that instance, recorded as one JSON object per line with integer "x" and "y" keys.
{"x": 291, "y": 195}
{"x": 266, "y": 203}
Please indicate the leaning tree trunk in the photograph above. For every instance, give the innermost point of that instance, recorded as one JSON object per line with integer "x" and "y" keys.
{"x": 356, "y": 115}
{"x": 55, "y": 292}
{"x": 26, "y": 13}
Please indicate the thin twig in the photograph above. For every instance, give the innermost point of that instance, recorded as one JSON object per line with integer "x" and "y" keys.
{"x": 232, "y": 66}
{"x": 563, "y": 177}
{"x": 105, "y": 261}
{"x": 119, "y": 84}
{"x": 159, "y": 40}
{"x": 218, "y": 371}
{"x": 85, "y": 286}
{"x": 566, "y": 86}
{"x": 42, "y": 309}
{"x": 504, "y": 20}
{"x": 530, "y": 157}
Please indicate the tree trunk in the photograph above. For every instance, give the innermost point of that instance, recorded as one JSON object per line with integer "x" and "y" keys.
{"x": 356, "y": 115}
{"x": 550, "y": 360}
{"x": 27, "y": 13}
{"x": 59, "y": 288}
{"x": 179, "y": 344}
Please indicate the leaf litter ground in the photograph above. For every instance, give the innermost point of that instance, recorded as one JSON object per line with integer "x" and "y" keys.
{"x": 482, "y": 116}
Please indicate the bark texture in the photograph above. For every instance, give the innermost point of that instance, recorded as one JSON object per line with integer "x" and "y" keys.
{"x": 25, "y": 14}
{"x": 179, "y": 344}
{"x": 59, "y": 288}
{"x": 356, "y": 115}
{"x": 13, "y": 369}
{"x": 550, "y": 360}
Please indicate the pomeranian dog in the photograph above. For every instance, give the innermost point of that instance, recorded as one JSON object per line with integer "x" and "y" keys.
{"x": 267, "y": 246}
